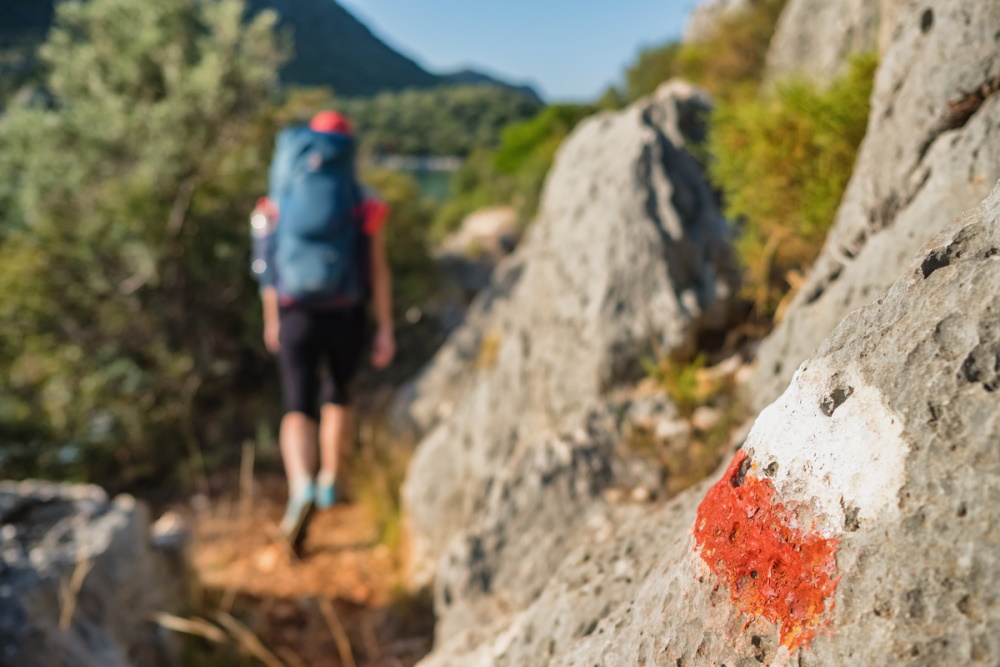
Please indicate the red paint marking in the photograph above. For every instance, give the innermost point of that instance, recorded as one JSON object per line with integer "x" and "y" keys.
{"x": 773, "y": 568}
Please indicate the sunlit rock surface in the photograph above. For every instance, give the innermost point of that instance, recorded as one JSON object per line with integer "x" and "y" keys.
{"x": 704, "y": 19}
{"x": 80, "y": 579}
{"x": 815, "y": 38}
{"x": 629, "y": 257}
{"x": 856, "y": 526}
{"x": 931, "y": 152}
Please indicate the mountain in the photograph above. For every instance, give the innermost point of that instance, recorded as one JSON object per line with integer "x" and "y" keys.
{"x": 22, "y": 20}
{"x": 332, "y": 48}
{"x": 468, "y": 77}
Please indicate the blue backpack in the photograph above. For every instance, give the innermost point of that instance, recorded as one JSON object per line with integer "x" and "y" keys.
{"x": 313, "y": 254}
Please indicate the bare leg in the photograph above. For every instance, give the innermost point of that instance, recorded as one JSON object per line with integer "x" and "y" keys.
{"x": 298, "y": 450}
{"x": 335, "y": 431}
{"x": 298, "y": 447}
{"x": 334, "y": 446}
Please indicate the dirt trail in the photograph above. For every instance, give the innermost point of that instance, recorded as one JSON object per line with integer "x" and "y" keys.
{"x": 342, "y": 602}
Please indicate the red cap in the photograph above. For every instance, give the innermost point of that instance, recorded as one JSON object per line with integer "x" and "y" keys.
{"x": 331, "y": 122}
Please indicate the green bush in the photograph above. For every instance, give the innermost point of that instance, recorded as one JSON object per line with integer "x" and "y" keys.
{"x": 416, "y": 277}
{"x": 415, "y": 273}
{"x": 730, "y": 65}
{"x": 783, "y": 162}
{"x": 123, "y": 254}
{"x": 681, "y": 381}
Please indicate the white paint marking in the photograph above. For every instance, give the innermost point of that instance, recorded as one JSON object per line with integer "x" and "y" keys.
{"x": 854, "y": 458}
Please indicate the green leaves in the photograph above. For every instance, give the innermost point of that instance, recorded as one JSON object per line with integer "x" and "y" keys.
{"x": 122, "y": 239}
{"x": 783, "y": 162}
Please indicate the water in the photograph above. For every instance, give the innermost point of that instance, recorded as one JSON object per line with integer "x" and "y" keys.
{"x": 432, "y": 174}
{"x": 433, "y": 183}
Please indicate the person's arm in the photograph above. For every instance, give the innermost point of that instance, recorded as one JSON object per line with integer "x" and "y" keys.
{"x": 263, "y": 222}
{"x": 384, "y": 347}
{"x": 269, "y": 297}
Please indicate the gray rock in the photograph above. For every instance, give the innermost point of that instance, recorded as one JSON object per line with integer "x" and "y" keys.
{"x": 629, "y": 255}
{"x": 815, "y": 38}
{"x": 530, "y": 509}
{"x": 54, "y": 533}
{"x": 431, "y": 397}
{"x": 656, "y": 415}
{"x": 703, "y": 21}
{"x": 923, "y": 162}
{"x": 878, "y": 469}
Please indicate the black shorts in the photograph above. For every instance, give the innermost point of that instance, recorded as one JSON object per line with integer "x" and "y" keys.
{"x": 312, "y": 339}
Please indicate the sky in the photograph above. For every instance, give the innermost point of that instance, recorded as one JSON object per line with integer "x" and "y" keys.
{"x": 569, "y": 50}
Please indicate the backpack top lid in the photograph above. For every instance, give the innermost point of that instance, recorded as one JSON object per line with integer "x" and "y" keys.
{"x": 331, "y": 122}
{"x": 293, "y": 150}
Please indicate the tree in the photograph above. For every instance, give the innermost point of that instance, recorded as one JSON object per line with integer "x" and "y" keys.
{"x": 122, "y": 242}
{"x": 447, "y": 120}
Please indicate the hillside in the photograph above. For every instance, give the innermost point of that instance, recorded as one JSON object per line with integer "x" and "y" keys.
{"x": 24, "y": 19}
{"x": 332, "y": 48}
{"x": 335, "y": 49}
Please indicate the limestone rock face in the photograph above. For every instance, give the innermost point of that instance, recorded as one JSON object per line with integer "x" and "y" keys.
{"x": 704, "y": 19}
{"x": 54, "y": 538}
{"x": 856, "y": 526}
{"x": 931, "y": 152}
{"x": 814, "y": 38}
{"x": 629, "y": 255}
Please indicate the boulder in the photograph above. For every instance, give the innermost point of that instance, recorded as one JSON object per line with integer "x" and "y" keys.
{"x": 628, "y": 257}
{"x": 931, "y": 152}
{"x": 80, "y": 579}
{"x": 856, "y": 526}
{"x": 815, "y": 38}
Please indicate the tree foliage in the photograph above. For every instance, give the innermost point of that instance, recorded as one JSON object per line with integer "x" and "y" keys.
{"x": 123, "y": 250}
{"x": 416, "y": 277}
{"x": 730, "y": 64}
{"x": 448, "y": 120}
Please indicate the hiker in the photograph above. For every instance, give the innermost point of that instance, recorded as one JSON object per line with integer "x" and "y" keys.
{"x": 319, "y": 256}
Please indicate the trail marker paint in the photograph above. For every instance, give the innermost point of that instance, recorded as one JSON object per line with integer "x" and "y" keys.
{"x": 775, "y": 569}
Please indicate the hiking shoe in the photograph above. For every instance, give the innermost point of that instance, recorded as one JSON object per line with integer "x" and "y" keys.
{"x": 326, "y": 494}
{"x": 295, "y": 523}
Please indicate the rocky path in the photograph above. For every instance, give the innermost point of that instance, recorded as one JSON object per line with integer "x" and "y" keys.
{"x": 342, "y": 603}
